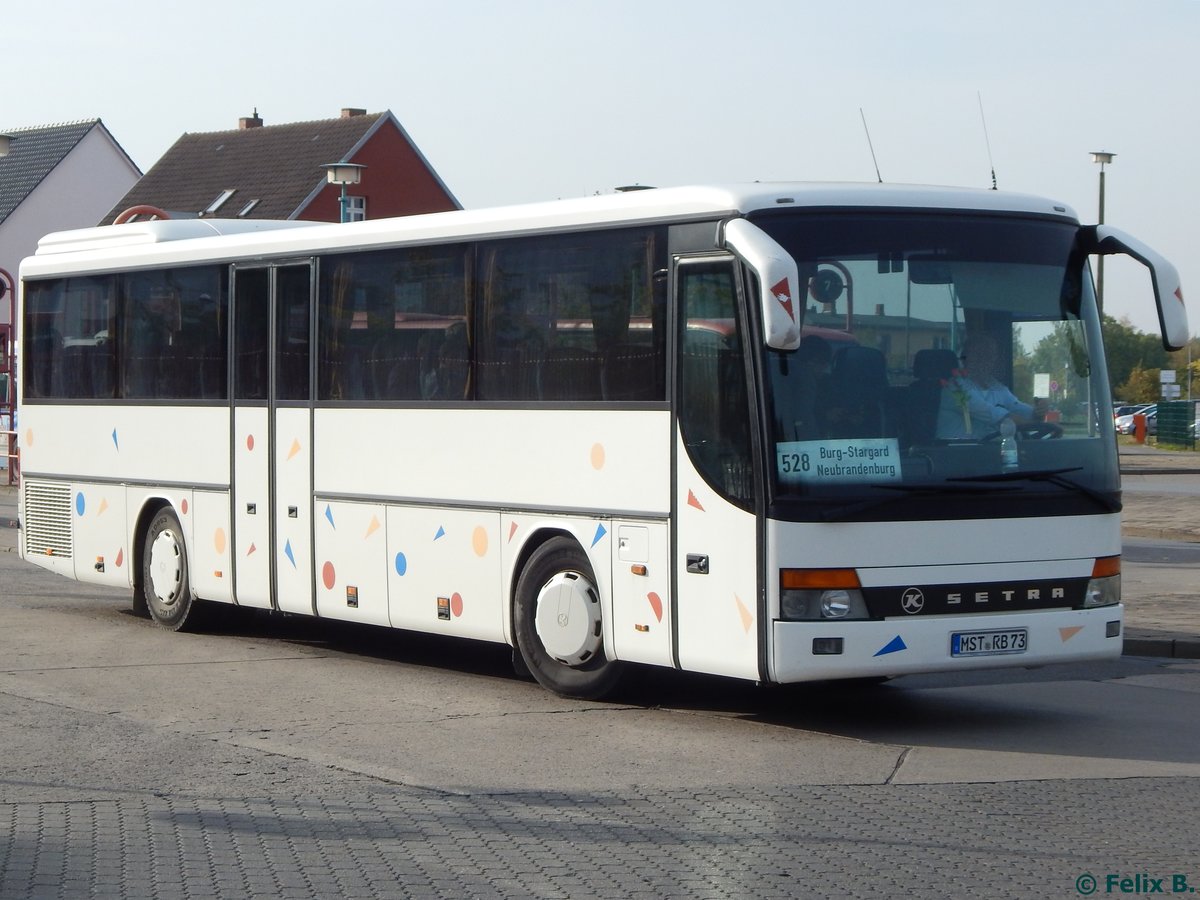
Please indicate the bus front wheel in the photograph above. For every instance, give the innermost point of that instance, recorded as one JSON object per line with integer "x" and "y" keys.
{"x": 557, "y": 623}
{"x": 166, "y": 588}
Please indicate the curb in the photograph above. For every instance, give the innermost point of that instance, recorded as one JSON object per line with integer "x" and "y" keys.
{"x": 1162, "y": 534}
{"x": 1170, "y": 648}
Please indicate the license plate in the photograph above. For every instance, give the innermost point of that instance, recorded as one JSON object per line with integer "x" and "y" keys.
{"x": 989, "y": 643}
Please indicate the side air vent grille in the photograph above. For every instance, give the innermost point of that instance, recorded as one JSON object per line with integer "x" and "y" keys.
{"x": 47, "y": 520}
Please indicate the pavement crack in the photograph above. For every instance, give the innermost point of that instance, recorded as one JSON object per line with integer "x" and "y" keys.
{"x": 900, "y": 760}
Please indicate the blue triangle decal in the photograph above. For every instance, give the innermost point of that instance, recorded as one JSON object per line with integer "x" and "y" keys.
{"x": 601, "y": 531}
{"x": 115, "y": 442}
{"x": 287, "y": 551}
{"x": 441, "y": 533}
{"x": 329, "y": 515}
{"x": 895, "y": 645}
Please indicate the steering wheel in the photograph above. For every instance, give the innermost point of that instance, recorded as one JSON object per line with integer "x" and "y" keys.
{"x": 1031, "y": 431}
{"x": 1040, "y": 431}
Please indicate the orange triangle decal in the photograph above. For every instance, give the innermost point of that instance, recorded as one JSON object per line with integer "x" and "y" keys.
{"x": 747, "y": 616}
{"x": 373, "y": 527}
{"x": 692, "y": 501}
{"x": 295, "y": 448}
{"x": 1067, "y": 633}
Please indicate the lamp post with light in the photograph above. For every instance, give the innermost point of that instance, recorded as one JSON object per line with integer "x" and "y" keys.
{"x": 343, "y": 173}
{"x": 8, "y": 358}
{"x": 1103, "y": 158}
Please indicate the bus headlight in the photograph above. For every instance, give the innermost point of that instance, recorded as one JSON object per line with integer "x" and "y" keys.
{"x": 1103, "y": 592}
{"x": 814, "y": 595}
{"x": 1104, "y": 587}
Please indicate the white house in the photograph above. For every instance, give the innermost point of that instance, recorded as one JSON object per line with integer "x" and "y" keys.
{"x": 56, "y": 177}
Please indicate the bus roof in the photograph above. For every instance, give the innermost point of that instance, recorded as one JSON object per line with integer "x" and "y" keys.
{"x": 180, "y": 241}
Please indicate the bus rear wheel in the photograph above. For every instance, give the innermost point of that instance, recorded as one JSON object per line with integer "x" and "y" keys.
{"x": 558, "y": 625}
{"x": 166, "y": 589}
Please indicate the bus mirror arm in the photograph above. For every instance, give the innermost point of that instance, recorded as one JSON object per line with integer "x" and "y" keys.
{"x": 1105, "y": 240}
{"x": 781, "y": 296}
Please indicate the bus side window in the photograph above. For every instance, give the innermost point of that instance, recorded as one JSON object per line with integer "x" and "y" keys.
{"x": 714, "y": 411}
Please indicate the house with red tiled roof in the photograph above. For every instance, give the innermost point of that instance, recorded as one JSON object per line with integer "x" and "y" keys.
{"x": 259, "y": 171}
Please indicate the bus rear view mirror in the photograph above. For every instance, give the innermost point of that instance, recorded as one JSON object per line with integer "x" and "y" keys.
{"x": 1168, "y": 291}
{"x": 780, "y": 301}
{"x": 929, "y": 270}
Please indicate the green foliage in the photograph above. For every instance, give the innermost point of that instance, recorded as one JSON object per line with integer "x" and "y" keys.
{"x": 1142, "y": 386}
{"x": 1128, "y": 350}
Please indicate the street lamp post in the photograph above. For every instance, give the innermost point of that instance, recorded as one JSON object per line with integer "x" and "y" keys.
{"x": 343, "y": 173}
{"x": 1103, "y": 158}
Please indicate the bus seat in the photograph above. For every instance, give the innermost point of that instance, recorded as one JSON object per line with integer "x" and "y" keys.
{"x": 857, "y": 393}
{"x": 570, "y": 373}
{"x": 632, "y": 372}
{"x": 931, "y": 368}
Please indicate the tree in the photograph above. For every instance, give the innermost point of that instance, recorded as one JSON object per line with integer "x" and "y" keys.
{"x": 1142, "y": 386}
{"x": 1129, "y": 349}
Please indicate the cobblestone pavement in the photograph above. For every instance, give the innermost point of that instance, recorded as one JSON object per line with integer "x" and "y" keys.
{"x": 997, "y": 840}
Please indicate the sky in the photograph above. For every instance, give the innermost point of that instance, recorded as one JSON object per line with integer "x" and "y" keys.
{"x": 528, "y": 100}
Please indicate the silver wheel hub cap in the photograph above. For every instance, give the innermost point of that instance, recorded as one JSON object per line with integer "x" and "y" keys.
{"x": 166, "y": 571}
{"x": 568, "y": 618}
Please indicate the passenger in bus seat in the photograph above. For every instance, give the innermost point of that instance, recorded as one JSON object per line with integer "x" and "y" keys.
{"x": 974, "y": 400}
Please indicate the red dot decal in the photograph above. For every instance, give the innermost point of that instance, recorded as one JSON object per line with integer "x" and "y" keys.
{"x": 656, "y": 604}
{"x": 328, "y": 576}
{"x": 183, "y": 506}
{"x": 249, "y": 442}
{"x": 120, "y": 557}
{"x": 456, "y": 604}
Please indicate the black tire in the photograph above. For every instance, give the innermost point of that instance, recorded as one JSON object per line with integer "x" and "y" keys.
{"x": 559, "y": 565}
{"x": 166, "y": 587}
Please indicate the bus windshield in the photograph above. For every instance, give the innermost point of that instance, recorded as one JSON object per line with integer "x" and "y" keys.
{"x": 967, "y": 377}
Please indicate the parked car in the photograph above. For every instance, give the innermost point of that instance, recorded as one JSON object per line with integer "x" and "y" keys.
{"x": 1125, "y": 423}
{"x": 1127, "y": 409}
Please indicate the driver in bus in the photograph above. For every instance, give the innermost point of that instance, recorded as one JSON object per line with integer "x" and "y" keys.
{"x": 974, "y": 401}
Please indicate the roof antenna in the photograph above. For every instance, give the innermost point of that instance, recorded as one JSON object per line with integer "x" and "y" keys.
{"x": 986, "y": 142}
{"x": 870, "y": 145}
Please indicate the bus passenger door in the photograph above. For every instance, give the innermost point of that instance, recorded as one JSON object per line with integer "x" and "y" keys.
{"x": 272, "y": 437}
{"x": 716, "y": 602}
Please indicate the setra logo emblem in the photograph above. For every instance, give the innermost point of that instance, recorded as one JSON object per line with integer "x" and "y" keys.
{"x": 912, "y": 601}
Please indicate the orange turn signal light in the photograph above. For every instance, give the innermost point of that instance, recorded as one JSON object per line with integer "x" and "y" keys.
{"x": 1106, "y": 566}
{"x": 818, "y": 579}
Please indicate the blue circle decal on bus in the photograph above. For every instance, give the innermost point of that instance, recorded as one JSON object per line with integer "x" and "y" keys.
{"x": 80, "y": 504}
{"x": 401, "y": 564}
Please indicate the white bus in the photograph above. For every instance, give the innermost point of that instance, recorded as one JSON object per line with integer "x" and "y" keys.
{"x": 584, "y": 429}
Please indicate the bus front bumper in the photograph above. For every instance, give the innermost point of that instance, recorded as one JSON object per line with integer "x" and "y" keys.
{"x": 818, "y": 651}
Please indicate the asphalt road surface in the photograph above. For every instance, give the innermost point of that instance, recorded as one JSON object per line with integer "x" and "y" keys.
{"x": 295, "y": 758}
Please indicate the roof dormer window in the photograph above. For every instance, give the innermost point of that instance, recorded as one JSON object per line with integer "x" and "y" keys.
{"x": 219, "y": 202}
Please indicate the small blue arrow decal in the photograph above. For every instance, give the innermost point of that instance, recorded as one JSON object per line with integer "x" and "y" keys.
{"x": 287, "y": 551}
{"x": 115, "y": 444}
{"x": 601, "y": 531}
{"x": 441, "y": 533}
{"x": 329, "y": 515}
{"x": 895, "y": 645}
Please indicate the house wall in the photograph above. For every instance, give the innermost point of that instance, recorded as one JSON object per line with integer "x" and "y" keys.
{"x": 77, "y": 193}
{"x": 396, "y": 182}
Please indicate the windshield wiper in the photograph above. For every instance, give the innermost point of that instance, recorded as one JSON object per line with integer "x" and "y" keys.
{"x": 901, "y": 491}
{"x": 1052, "y": 476}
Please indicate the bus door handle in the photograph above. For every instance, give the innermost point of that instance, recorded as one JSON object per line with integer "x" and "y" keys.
{"x": 697, "y": 563}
